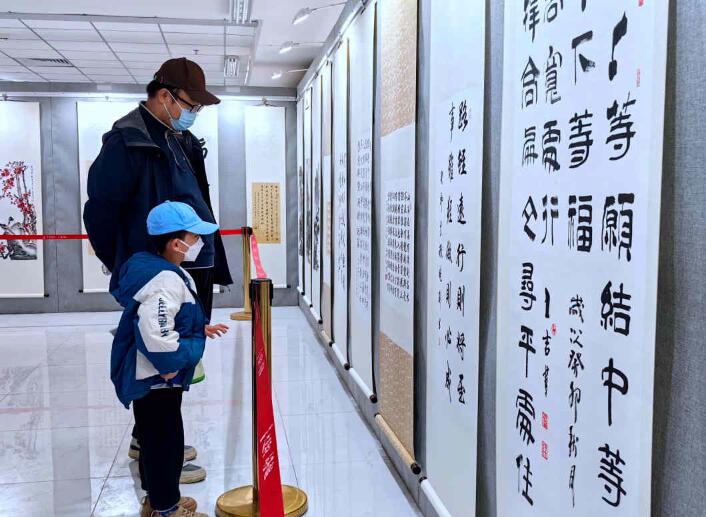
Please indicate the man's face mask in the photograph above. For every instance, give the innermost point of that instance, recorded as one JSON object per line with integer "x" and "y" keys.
{"x": 192, "y": 252}
{"x": 186, "y": 118}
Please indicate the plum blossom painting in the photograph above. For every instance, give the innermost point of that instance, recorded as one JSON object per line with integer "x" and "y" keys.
{"x": 21, "y": 259}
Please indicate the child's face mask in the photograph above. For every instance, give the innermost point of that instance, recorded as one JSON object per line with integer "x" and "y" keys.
{"x": 192, "y": 252}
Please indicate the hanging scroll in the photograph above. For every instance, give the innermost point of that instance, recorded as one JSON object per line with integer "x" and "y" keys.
{"x": 398, "y": 34}
{"x": 456, "y": 96}
{"x": 361, "y": 184}
{"x": 21, "y": 261}
{"x": 583, "y": 104}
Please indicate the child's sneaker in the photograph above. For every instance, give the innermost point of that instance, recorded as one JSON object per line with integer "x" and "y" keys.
{"x": 186, "y": 502}
{"x": 191, "y": 473}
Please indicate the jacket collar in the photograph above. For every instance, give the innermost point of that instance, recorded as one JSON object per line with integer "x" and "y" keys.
{"x": 134, "y": 131}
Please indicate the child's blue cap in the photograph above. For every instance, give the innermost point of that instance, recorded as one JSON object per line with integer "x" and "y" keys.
{"x": 173, "y": 216}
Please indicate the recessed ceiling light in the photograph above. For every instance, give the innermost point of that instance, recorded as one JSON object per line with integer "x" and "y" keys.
{"x": 286, "y": 47}
{"x": 301, "y": 15}
{"x": 277, "y": 74}
{"x": 305, "y": 12}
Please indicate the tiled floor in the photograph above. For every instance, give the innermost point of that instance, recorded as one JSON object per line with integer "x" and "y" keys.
{"x": 64, "y": 437}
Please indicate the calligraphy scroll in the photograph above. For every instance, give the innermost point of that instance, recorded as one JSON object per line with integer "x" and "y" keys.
{"x": 326, "y": 178}
{"x": 21, "y": 261}
{"x": 307, "y": 196}
{"x": 340, "y": 200}
{"x": 360, "y": 112}
{"x": 583, "y": 104}
{"x": 398, "y": 34}
{"x": 317, "y": 223}
{"x": 265, "y": 170}
{"x": 266, "y": 213}
{"x": 300, "y": 195}
{"x": 456, "y": 96}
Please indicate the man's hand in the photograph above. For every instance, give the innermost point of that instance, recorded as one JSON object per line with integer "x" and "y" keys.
{"x": 217, "y": 330}
{"x": 168, "y": 376}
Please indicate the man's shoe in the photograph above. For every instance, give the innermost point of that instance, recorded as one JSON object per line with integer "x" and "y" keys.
{"x": 134, "y": 452}
{"x": 191, "y": 473}
{"x": 186, "y": 502}
{"x": 181, "y": 512}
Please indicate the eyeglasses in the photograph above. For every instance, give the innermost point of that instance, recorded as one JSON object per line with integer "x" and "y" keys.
{"x": 193, "y": 108}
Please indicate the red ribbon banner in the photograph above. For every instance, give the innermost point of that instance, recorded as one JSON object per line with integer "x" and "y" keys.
{"x": 268, "y": 475}
{"x": 255, "y": 252}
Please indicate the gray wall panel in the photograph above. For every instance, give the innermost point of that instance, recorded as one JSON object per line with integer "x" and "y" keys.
{"x": 62, "y": 210}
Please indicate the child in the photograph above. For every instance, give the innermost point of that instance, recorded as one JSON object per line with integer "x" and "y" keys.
{"x": 159, "y": 341}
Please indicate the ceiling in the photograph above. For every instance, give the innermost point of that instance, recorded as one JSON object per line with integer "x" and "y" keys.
{"x": 126, "y": 41}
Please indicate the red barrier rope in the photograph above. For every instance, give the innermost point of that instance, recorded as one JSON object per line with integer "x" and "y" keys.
{"x": 268, "y": 475}
{"x": 75, "y": 236}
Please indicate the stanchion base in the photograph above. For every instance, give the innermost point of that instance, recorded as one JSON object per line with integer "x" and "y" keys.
{"x": 238, "y": 502}
{"x": 241, "y": 316}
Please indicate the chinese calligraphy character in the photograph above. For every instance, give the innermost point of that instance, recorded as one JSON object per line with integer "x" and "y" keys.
{"x": 584, "y": 232}
{"x": 574, "y": 399}
{"x": 573, "y": 440}
{"x": 462, "y": 116}
{"x": 452, "y": 112}
{"x": 553, "y": 8}
{"x": 552, "y": 136}
{"x": 462, "y": 162}
{"x": 461, "y": 390}
{"x": 461, "y": 299}
{"x": 531, "y": 19}
{"x": 527, "y": 286}
{"x": 575, "y": 362}
{"x": 615, "y": 310}
{"x": 525, "y": 416}
{"x": 461, "y": 344}
{"x": 551, "y": 72}
{"x": 529, "y": 84}
{"x": 576, "y": 307}
{"x": 525, "y": 342}
{"x": 447, "y": 384}
{"x": 460, "y": 254}
{"x": 612, "y": 474}
{"x": 526, "y": 478}
{"x": 620, "y": 30}
{"x": 529, "y": 212}
{"x": 529, "y": 154}
{"x": 553, "y": 214}
{"x": 585, "y": 63}
{"x": 580, "y": 140}
{"x": 546, "y": 380}
{"x": 621, "y": 132}
{"x": 607, "y": 376}
{"x": 572, "y": 479}
{"x": 461, "y": 214}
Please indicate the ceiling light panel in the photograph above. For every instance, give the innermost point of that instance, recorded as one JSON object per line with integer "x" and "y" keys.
{"x": 192, "y": 29}
{"x": 238, "y": 30}
{"x": 18, "y": 53}
{"x": 23, "y": 44}
{"x": 21, "y": 34}
{"x": 68, "y": 35}
{"x": 202, "y": 50}
{"x": 238, "y": 41}
{"x": 57, "y": 24}
{"x": 132, "y": 37}
{"x": 10, "y": 23}
{"x": 87, "y": 46}
{"x": 149, "y": 48}
{"x": 194, "y": 39}
{"x": 130, "y": 27}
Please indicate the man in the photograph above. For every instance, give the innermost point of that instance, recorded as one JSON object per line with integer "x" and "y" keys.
{"x": 147, "y": 158}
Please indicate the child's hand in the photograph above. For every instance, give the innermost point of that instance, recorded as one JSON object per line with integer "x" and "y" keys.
{"x": 217, "y": 330}
{"x": 168, "y": 376}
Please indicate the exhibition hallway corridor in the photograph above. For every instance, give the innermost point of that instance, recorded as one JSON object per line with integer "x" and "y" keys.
{"x": 64, "y": 437}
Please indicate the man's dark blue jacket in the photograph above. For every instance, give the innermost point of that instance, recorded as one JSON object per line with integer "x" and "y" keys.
{"x": 131, "y": 176}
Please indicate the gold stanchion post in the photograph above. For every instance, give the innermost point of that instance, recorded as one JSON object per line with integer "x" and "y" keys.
{"x": 244, "y": 501}
{"x": 246, "y": 313}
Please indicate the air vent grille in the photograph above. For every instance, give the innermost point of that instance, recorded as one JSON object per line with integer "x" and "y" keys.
{"x": 47, "y": 61}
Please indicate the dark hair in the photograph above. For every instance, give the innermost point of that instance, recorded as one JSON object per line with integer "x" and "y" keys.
{"x": 154, "y": 86}
{"x": 159, "y": 242}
